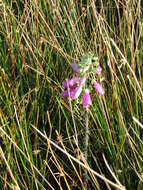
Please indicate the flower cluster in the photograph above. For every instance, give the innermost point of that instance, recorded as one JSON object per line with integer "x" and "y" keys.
{"x": 74, "y": 87}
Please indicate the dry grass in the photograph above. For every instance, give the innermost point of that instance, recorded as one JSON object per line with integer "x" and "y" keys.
{"x": 39, "y": 130}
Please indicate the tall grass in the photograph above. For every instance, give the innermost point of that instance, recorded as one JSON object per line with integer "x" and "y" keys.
{"x": 38, "y": 42}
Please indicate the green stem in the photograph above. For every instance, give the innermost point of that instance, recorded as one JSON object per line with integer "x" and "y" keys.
{"x": 86, "y": 147}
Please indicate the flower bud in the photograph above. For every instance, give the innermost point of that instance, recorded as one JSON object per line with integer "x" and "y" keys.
{"x": 75, "y": 68}
{"x": 98, "y": 70}
{"x": 86, "y": 99}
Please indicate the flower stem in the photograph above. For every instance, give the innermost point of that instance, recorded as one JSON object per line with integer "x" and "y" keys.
{"x": 86, "y": 146}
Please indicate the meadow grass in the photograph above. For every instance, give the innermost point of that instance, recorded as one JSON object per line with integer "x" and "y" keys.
{"x": 38, "y": 129}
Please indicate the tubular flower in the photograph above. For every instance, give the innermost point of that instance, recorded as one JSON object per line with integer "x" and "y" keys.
{"x": 99, "y": 89}
{"x": 98, "y": 70}
{"x": 75, "y": 68}
{"x": 86, "y": 99}
{"x": 70, "y": 83}
{"x": 65, "y": 84}
{"x": 67, "y": 93}
{"x": 73, "y": 82}
{"x": 82, "y": 80}
{"x": 76, "y": 92}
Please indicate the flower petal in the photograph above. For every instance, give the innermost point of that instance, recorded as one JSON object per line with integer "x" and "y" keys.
{"x": 67, "y": 93}
{"x": 65, "y": 84}
{"x": 76, "y": 92}
{"x": 82, "y": 80}
{"x": 73, "y": 82}
{"x": 70, "y": 83}
{"x": 99, "y": 89}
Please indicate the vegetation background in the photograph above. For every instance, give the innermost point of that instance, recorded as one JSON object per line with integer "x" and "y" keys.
{"x": 39, "y": 39}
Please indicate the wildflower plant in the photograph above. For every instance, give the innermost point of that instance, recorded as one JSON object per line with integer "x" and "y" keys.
{"x": 80, "y": 82}
{"x": 80, "y": 85}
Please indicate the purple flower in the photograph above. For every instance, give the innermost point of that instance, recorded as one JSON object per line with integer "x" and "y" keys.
{"x": 86, "y": 99}
{"x": 70, "y": 83}
{"x": 65, "y": 84}
{"x": 98, "y": 70}
{"x": 99, "y": 89}
{"x": 75, "y": 68}
{"x": 82, "y": 80}
{"x": 76, "y": 92}
{"x": 67, "y": 93}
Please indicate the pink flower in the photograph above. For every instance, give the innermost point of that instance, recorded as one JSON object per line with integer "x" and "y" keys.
{"x": 75, "y": 68}
{"x": 73, "y": 82}
{"x": 86, "y": 99}
{"x": 76, "y": 92}
{"x": 99, "y": 89}
{"x": 82, "y": 80}
{"x": 70, "y": 83}
{"x": 98, "y": 70}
